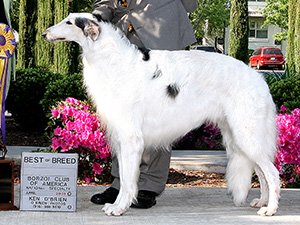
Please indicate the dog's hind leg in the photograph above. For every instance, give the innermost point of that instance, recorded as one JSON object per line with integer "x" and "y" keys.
{"x": 129, "y": 158}
{"x": 261, "y": 151}
{"x": 264, "y": 189}
{"x": 238, "y": 176}
{"x": 257, "y": 145}
{"x": 239, "y": 167}
{"x": 272, "y": 177}
{"x": 257, "y": 152}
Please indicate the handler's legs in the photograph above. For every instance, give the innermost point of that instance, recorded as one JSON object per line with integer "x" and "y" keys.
{"x": 154, "y": 171}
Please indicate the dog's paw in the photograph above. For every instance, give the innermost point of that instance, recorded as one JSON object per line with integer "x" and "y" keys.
{"x": 267, "y": 211}
{"x": 113, "y": 210}
{"x": 258, "y": 203}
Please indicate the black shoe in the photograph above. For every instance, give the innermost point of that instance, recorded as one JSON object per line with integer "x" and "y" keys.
{"x": 145, "y": 200}
{"x": 108, "y": 196}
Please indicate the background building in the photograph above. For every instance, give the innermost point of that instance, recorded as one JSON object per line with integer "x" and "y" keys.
{"x": 258, "y": 36}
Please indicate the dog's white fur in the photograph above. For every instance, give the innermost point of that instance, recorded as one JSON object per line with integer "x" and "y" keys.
{"x": 132, "y": 99}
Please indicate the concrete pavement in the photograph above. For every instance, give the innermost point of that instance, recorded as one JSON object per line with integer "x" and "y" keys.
{"x": 210, "y": 161}
{"x": 175, "y": 206}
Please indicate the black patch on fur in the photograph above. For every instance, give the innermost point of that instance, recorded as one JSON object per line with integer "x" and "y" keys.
{"x": 145, "y": 52}
{"x": 99, "y": 17}
{"x": 173, "y": 90}
{"x": 157, "y": 73}
{"x": 81, "y": 23}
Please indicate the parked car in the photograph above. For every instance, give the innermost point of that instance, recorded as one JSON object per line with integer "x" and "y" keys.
{"x": 267, "y": 57}
{"x": 206, "y": 48}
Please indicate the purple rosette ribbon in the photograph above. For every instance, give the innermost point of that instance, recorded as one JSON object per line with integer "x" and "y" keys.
{"x": 7, "y": 41}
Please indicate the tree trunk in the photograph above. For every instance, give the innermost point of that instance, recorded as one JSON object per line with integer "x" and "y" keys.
{"x": 239, "y": 29}
{"x": 27, "y": 32}
{"x": 290, "y": 57}
{"x": 43, "y": 50}
{"x": 297, "y": 38}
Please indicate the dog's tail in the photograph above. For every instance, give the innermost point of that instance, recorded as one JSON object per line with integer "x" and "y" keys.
{"x": 239, "y": 175}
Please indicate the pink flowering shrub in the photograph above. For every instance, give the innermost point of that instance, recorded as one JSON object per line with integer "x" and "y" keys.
{"x": 207, "y": 133}
{"x": 288, "y": 156}
{"x": 78, "y": 130}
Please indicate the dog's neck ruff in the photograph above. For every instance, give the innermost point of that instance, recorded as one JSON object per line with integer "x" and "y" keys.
{"x": 111, "y": 43}
{"x": 106, "y": 63}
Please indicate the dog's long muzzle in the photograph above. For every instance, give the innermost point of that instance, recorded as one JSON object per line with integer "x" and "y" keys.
{"x": 47, "y": 36}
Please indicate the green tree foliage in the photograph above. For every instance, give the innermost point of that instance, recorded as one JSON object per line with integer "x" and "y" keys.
{"x": 291, "y": 35}
{"x": 297, "y": 38}
{"x": 43, "y": 50}
{"x": 215, "y": 12}
{"x": 83, "y": 6}
{"x": 239, "y": 29}
{"x": 40, "y": 89}
{"x": 27, "y": 33}
{"x": 62, "y": 50}
{"x": 286, "y": 92}
{"x": 33, "y": 18}
{"x": 25, "y": 95}
{"x": 62, "y": 88}
{"x": 276, "y": 13}
{"x": 14, "y": 13}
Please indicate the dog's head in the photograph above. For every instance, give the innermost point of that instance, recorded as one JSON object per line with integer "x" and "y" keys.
{"x": 76, "y": 27}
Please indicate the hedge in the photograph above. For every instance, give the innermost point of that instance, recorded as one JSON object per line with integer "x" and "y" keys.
{"x": 35, "y": 90}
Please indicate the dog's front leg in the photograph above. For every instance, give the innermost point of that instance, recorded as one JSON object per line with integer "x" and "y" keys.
{"x": 129, "y": 157}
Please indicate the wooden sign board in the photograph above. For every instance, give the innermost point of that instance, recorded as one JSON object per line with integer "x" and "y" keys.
{"x": 7, "y": 185}
{"x": 48, "y": 181}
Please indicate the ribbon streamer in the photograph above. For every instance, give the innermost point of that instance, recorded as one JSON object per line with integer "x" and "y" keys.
{"x": 7, "y": 48}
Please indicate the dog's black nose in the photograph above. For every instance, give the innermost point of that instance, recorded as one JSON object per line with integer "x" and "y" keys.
{"x": 44, "y": 34}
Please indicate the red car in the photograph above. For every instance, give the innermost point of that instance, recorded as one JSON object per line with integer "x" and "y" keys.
{"x": 267, "y": 56}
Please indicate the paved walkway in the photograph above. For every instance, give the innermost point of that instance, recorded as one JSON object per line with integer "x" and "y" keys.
{"x": 175, "y": 206}
{"x": 211, "y": 161}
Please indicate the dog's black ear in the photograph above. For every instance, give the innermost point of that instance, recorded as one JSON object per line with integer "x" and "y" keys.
{"x": 99, "y": 17}
{"x": 90, "y": 28}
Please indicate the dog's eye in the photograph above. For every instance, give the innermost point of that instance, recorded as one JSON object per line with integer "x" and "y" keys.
{"x": 69, "y": 23}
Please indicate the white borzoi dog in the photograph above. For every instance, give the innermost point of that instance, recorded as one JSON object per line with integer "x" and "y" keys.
{"x": 148, "y": 99}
